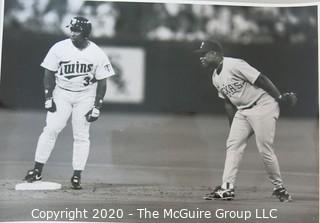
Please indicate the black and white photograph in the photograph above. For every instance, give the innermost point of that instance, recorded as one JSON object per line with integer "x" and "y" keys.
{"x": 159, "y": 111}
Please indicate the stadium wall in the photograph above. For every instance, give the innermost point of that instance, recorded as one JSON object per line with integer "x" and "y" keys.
{"x": 174, "y": 80}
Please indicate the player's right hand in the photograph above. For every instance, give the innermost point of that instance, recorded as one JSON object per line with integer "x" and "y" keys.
{"x": 288, "y": 99}
{"x": 49, "y": 105}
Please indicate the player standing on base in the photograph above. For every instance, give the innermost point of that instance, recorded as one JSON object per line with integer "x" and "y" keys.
{"x": 252, "y": 106}
{"x": 75, "y": 76}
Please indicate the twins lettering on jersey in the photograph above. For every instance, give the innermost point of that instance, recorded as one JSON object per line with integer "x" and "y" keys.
{"x": 69, "y": 69}
{"x": 232, "y": 88}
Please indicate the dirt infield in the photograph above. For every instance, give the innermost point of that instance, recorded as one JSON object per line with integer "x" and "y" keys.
{"x": 157, "y": 165}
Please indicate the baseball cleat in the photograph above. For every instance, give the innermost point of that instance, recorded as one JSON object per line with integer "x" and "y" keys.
{"x": 282, "y": 194}
{"x": 33, "y": 175}
{"x": 75, "y": 182}
{"x": 220, "y": 194}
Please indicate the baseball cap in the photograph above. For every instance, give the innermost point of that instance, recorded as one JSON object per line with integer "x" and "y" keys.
{"x": 207, "y": 46}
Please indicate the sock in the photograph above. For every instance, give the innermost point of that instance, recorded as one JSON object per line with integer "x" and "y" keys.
{"x": 39, "y": 166}
{"x": 77, "y": 173}
{"x": 227, "y": 186}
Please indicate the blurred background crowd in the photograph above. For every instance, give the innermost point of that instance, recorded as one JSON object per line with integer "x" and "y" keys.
{"x": 151, "y": 45}
{"x": 166, "y": 22}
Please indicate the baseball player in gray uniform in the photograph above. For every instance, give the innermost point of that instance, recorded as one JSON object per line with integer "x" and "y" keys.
{"x": 75, "y": 76}
{"x": 252, "y": 106}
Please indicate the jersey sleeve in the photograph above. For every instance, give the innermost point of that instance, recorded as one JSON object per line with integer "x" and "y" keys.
{"x": 220, "y": 95}
{"x": 246, "y": 71}
{"x": 104, "y": 68}
{"x": 51, "y": 61}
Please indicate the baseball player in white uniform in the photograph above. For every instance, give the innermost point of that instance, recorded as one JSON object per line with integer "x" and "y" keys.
{"x": 252, "y": 105}
{"x": 75, "y": 76}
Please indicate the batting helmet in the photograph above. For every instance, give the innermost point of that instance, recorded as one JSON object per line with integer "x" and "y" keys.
{"x": 80, "y": 24}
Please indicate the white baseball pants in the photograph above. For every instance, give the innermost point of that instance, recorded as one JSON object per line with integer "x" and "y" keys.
{"x": 68, "y": 103}
{"x": 260, "y": 120}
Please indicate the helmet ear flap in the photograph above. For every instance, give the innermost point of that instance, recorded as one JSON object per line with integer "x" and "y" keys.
{"x": 87, "y": 30}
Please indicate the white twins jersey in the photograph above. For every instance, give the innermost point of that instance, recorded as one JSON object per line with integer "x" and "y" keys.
{"x": 235, "y": 82}
{"x": 74, "y": 67}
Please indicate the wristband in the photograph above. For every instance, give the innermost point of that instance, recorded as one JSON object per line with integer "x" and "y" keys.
{"x": 47, "y": 95}
{"x": 98, "y": 103}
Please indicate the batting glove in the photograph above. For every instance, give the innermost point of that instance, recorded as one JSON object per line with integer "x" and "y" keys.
{"x": 49, "y": 105}
{"x": 288, "y": 99}
{"x": 93, "y": 114}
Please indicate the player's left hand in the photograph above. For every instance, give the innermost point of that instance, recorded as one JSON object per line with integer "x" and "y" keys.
{"x": 49, "y": 105}
{"x": 288, "y": 99}
{"x": 93, "y": 114}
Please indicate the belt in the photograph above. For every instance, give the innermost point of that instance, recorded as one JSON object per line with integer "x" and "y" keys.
{"x": 70, "y": 90}
{"x": 251, "y": 106}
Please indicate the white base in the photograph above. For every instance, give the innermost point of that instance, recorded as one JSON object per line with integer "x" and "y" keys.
{"x": 38, "y": 185}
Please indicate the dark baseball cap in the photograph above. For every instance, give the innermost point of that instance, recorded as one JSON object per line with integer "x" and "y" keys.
{"x": 209, "y": 45}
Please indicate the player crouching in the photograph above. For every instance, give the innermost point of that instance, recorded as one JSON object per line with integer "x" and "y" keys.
{"x": 252, "y": 105}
